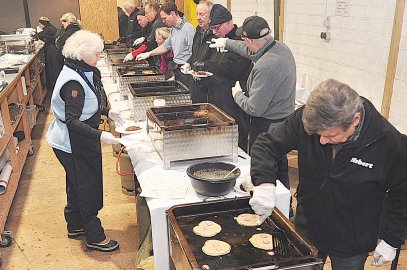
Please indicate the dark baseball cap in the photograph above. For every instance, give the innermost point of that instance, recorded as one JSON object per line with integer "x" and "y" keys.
{"x": 219, "y": 14}
{"x": 252, "y": 28}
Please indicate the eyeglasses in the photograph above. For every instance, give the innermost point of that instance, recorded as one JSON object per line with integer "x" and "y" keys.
{"x": 216, "y": 27}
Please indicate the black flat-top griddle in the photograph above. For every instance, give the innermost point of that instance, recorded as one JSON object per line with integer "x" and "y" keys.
{"x": 116, "y": 46}
{"x": 291, "y": 251}
{"x": 164, "y": 88}
{"x": 119, "y": 62}
{"x": 131, "y": 71}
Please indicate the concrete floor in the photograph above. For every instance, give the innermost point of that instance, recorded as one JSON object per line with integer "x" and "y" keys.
{"x": 37, "y": 223}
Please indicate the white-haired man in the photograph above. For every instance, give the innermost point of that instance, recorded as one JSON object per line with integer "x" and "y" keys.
{"x": 200, "y": 51}
{"x": 133, "y": 28}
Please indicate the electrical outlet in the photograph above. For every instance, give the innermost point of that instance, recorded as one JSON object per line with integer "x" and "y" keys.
{"x": 325, "y": 35}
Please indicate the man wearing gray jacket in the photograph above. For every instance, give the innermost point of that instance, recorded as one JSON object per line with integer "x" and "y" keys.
{"x": 271, "y": 83}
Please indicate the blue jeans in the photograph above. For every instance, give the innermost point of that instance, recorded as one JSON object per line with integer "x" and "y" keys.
{"x": 345, "y": 263}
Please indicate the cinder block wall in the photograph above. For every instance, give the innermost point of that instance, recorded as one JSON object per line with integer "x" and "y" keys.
{"x": 357, "y": 53}
{"x": 241, "y": 9}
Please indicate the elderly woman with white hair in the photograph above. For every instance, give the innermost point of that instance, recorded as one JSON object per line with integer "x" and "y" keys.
{"x": 74, "y": 136}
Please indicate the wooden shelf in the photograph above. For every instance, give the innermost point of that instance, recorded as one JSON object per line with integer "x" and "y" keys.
{"x": 4, "y": 141}
{"x": 7, "y": 198}
{"x": 13, "y": 93}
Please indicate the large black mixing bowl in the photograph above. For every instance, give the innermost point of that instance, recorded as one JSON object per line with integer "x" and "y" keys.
{"x": 207, "y": 178}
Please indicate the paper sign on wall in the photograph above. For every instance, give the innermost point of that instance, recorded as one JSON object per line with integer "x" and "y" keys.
{"x": 342, "y": 8}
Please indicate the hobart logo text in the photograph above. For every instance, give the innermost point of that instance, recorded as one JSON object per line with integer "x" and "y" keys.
{"x": 359, "y": 162}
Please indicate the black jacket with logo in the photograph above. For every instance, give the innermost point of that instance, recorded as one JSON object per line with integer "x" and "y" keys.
{"x": 340, "y": 200}
{"x": 200, "y": 47}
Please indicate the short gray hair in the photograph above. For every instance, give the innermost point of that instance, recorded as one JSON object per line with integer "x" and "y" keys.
{"x": 129, "y": 4}
{"x": 331, "y": 104}
{"x": 81, "y": 44}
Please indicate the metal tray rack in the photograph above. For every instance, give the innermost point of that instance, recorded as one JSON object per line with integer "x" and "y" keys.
{"x": 128, "y": 75}
{"x": 184, "y": 132}
{"x": 144, "y": 94}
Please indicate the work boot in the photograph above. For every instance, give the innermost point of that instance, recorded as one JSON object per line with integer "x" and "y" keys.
{"x": 76, "y": 233}
{"x": 105, "y": 246}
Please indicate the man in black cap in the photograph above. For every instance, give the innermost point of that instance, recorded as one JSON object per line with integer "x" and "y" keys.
{"x": 227, "y": 68}
{"x": 271, "y": 83}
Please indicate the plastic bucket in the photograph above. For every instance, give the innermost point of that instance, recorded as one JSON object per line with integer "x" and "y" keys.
{"x": 32, "y": 115}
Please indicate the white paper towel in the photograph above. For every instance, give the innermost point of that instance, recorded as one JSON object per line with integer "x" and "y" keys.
{"x": 4, "y": 177}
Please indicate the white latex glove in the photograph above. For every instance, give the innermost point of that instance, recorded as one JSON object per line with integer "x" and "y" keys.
{"x": 139, "y": 41}
{"x": 128, "y": 57}
{"x": 383, "y": 253}
{"x": 108, "y": 138}
{"x": 264, "y": 199}
{"x": 115, "y": 116}
{"x": 219, "y": 44}
{"x": 143, "y": 56}
{"x": 185, "y": 68}
{"x": 236, "y": 90}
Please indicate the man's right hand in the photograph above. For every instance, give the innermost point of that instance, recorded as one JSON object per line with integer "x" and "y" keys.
{"x": 128, "y": 57}
{"x": 219, "y": 44}
{"x": 138, "y": 41}
{"x": 263, "y": 199}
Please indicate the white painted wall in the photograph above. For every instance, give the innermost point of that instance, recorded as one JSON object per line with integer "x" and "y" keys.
{"x": 357, "y": 53}
{"x": 241, "y": 9}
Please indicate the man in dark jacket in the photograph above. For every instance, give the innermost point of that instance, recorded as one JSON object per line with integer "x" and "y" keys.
{"x": 122, "y": 20}
{"x": 50, "y": 51}
{"x": 200, "y": 51}
{"x": 350, "y": 159}
{"x": 148, "y": 42}
{"x": 133, "y": 28}
{"x": 227, "y": 68}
